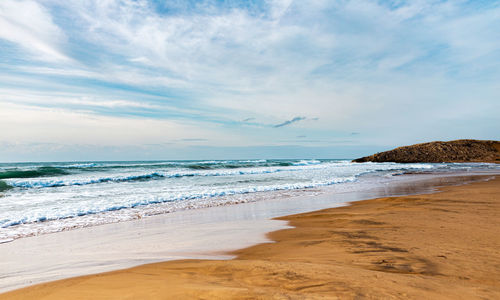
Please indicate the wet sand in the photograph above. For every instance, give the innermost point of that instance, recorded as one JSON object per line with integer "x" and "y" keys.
{"x": 444, "y": 245}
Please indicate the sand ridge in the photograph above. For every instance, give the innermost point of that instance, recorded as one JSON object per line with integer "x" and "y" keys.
{"x": 438, "y": 246}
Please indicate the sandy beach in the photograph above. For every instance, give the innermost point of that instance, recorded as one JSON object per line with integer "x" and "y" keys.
{"x": 249, "y": 149}
{"x": 442, "y": 245}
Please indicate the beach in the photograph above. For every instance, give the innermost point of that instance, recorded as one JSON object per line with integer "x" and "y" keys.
{"x": 249, "y": 149}
{"x": 441, "y": 245}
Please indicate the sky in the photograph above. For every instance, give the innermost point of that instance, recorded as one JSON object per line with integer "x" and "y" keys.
{"x": 133, "y": 80}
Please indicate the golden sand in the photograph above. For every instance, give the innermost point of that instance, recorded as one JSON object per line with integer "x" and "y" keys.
{"x": 439, "y": 246}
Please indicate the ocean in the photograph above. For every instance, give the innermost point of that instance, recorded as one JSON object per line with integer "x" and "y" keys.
{"x": 38, "y": 198}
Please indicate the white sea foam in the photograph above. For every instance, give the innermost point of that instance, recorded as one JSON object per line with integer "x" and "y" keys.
{"x": 307, "y": 162}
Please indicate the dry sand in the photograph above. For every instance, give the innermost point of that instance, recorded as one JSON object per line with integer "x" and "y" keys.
{"x": 444, "y": 245}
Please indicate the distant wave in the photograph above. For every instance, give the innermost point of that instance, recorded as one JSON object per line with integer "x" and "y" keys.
{"x": 59, "y": 169}
{"x": 136, "y": 177}
{"x": 39, "y": 172}
{"x": 193, "y": 165}
{"x": 65, "y": 181}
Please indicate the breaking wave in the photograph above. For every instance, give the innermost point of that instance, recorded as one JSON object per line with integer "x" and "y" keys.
{"x": 38, "y": 172}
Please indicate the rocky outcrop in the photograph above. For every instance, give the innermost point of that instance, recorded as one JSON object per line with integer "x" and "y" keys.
{"x": 435, "y": 152}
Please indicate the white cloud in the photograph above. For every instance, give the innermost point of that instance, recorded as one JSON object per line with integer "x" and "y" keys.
{"x": 79, "y": 101}
{"x": 230, "y": 47}
{"x": 141, "y": 59}
{"x": 30, "y": 25}
{"x": 109, "y": 103}
{"x": 107, "y": 73}
{"x": 27, "y": 124}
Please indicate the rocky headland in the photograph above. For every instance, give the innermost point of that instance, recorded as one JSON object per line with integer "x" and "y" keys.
{"x": 436, "y": 152}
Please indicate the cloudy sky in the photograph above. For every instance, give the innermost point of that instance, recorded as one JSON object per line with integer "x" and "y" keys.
{"x": 109, "y": 79}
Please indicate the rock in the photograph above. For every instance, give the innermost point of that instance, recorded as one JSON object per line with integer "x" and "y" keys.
{"x": 436, "y": 152}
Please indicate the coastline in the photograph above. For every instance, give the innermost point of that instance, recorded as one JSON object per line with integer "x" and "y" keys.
{"x": 363, "y": 254}
{"x": 210, "y": 233}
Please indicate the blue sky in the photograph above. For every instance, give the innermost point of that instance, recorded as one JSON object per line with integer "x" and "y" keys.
{"x": 88, "y": 80}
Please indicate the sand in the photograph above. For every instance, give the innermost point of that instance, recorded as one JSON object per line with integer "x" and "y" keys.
{"x": 444, "y": 245}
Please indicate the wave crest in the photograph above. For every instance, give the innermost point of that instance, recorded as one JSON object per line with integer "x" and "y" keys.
{"x": 39, "y": 172}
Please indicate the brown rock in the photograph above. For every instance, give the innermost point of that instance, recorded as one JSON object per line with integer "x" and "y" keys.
{"x": 436, "y": 152}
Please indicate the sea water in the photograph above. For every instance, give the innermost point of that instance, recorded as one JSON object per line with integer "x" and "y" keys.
{"x": 37, "y": 198}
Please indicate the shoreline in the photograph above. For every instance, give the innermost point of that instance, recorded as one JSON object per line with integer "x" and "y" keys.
{"x": 209, "y": 233}
{"x": 246, "y": 262}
